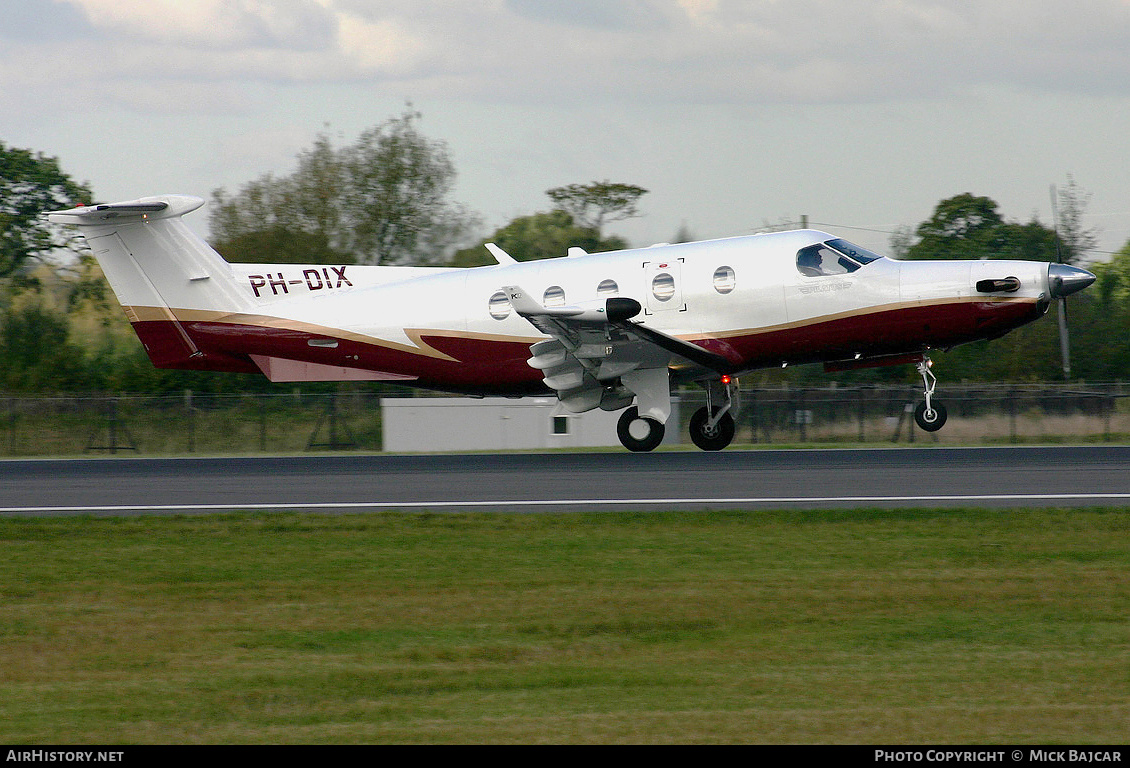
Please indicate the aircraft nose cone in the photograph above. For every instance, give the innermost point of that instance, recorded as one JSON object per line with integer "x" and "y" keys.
{"x": 1064, "y": 280}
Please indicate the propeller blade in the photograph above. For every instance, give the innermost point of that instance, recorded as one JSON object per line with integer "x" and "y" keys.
{"x": 1055, "y": 224}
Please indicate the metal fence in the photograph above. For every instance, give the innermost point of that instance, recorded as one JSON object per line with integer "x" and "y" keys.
{"x": 296, "y": 422}
{"x": 190, "y": 423}
{"x": 978, "y": 414}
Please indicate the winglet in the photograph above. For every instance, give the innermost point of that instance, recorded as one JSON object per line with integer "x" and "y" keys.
{"x": 576, "y": 251}
{"x": 501, "y": 256}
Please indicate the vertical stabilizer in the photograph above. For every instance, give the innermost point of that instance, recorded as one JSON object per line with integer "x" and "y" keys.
{"x": 162, "y": 273}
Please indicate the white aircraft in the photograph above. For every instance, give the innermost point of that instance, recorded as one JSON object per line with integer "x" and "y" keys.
{"x": 613, "y": 330}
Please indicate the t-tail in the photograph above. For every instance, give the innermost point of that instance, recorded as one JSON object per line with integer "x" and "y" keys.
{"x": 163, "y": 274}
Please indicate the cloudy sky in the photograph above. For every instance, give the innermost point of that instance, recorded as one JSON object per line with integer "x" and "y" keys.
{"x": 862, "y": 115}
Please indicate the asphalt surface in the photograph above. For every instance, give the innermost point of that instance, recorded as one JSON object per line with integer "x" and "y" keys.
{"x": 762, "y": 479}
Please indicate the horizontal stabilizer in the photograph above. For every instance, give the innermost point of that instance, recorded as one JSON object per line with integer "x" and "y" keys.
{"x": 147, "y": 208}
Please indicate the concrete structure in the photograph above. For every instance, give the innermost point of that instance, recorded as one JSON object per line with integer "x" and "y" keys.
{"x": 497, "y": 423}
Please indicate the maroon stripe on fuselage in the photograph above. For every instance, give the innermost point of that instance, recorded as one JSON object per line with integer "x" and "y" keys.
{"x": 493, "y": 365}
{"x": 479, "y": 365}
{"x": 886, "y": 332}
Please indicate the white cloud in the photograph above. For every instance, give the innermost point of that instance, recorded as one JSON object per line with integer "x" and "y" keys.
{"x": 723, "y": 51}
{"x": 740, "y": 110}
{"x": 291, "y": 24}
{"x": 381, "y": 46}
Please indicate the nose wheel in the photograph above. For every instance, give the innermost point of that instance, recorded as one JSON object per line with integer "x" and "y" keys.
{"x": 930, "y": 419}
{"x": 711, "y": 437}
{"x": 712, "y": 426}
{"x": 930, "y": 415}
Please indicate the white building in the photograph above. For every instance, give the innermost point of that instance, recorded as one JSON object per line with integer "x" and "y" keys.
{"x": 497, "y": 423}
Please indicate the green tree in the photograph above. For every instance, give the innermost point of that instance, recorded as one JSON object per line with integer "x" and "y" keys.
{"x": 538, "y": 236}
{"x": 31, "y": 183}
{"x": 293, "y": 219}
{"x": 36, "y": 352}
{"x": 381, "y": 200}
{"x": 1028, "y": 242}
{"x": 596, "y": 204}
{"x": 962, "y": 227}
{"x": 971, "y": 227}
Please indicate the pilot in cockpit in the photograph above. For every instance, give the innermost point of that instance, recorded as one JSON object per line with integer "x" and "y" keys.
{"x": 810, "y": 262}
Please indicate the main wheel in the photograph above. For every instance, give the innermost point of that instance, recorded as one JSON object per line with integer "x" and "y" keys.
{"x": 638, "y": 433}
{"x": 711, "y": 439}
{"x": 930, "y": 420}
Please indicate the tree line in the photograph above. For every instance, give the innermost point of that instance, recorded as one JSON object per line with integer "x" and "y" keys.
{"x": 386, "y": 199}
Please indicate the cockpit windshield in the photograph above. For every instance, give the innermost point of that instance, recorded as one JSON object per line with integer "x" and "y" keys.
{"x": 834, "y": 257}
{"x": 862, "y": 255}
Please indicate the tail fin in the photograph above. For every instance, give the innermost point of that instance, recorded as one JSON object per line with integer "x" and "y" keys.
{"x": 163, "y": 274}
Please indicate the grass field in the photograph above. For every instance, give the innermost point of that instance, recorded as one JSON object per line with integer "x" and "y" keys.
{"x": 833, "y": 627}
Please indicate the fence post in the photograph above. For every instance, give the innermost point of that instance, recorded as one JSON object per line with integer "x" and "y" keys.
{"x": 862, "y": 411}
{"x": 334, "y": 444}
{"x": 113, "y": 415}
{"x": 1012, "y": 415}
{"x": 908, "y": 412}
{"x": 749, "y": 398}
{"x": 191, "y": 412}
{"x": 800, "y": 416}
{"x": 113, "y": 425}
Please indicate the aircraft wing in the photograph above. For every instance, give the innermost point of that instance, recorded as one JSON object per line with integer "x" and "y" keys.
{"x": 594, "y": 346}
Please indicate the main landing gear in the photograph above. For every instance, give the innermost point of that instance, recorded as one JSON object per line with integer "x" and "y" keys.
{"x": 639, "y": 433}
{"x": 930, "y": 415}
{"x": 712, "y": 426}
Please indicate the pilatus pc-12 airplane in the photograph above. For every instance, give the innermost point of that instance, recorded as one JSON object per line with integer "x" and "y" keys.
{"x": 611, "y": 330}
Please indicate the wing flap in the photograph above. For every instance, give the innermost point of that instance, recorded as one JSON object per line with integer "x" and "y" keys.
{"x": 594, "y": 346}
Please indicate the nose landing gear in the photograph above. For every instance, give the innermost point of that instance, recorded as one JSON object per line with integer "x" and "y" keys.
{"x": 931, "y": 416}
{"x": 712, "y": 427}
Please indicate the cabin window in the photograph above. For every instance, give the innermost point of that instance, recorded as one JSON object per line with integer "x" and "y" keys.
{"x": 724, "y": 279}
{"x": 554, "y": 296}
{"x": 607, "y": 289}
{"x": 819, "y": 259}
{"x": 560, "y": 425}
{"x": 663, "y": 286}
{"x": 499, "y": 306}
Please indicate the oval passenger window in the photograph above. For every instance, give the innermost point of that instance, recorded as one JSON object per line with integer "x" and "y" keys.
{"x": 724, "y": 279}
{"x": 499, "y": 306}
{"x": 554, "y": 296}
{"x": 663, "y": 286}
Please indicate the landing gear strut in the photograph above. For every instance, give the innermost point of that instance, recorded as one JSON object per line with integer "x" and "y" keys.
{"x": 712, "y": 427}
{"x": 931, "y": 416}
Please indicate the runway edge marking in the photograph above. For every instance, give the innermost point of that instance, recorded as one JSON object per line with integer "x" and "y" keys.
{"x": 262, "y": 506}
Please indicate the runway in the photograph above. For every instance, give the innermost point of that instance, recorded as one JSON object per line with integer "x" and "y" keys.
{"x": 556, "y": 482}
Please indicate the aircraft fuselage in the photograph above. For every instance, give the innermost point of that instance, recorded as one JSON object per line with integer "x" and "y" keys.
{"x": 772, "y": 315}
